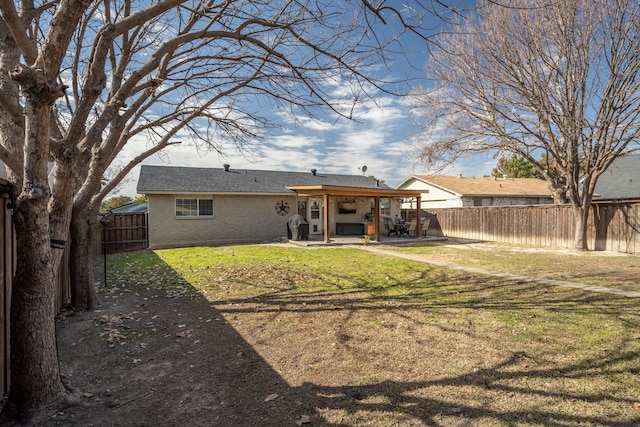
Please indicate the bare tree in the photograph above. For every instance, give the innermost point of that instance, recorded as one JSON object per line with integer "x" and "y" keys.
{"x": 210, "y": 86}
{"x": 151, "y": 70}
{"x": 543, "y": 80}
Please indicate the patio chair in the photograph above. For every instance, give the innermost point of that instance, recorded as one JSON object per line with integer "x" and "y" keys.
{"x": 391, "y": 226}
{"x": 425, "y": 226}
{"x": 411, "y": 231}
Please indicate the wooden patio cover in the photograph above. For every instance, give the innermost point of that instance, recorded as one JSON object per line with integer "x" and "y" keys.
{"x": 328, "y": 191}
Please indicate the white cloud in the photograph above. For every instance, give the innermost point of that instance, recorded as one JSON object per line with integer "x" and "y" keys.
{"x": 378, "y": 142}
{"x": 379, "y": 139}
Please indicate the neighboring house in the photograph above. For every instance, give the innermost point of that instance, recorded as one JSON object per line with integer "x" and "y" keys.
{"x": 621, "y": 182}
{"x": 189, "y": 206}
{"x": 461, "y": 191}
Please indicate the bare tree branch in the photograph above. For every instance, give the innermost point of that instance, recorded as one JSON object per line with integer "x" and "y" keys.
{"x": 559, "y": 80}
{"x": 18, "y": 31}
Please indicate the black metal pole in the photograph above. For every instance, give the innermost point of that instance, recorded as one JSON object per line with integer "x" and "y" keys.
{"x": 104, "y": 252}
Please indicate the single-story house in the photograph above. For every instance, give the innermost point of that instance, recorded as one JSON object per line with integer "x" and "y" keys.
{"x": 189, "y": 206}
{"x": 462, "y": 191}
{"x": 621, "y": 182}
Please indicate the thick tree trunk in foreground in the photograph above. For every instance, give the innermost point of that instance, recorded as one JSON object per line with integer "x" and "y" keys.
{"x": 83, "y": 290}
{"x": 35, "y": 372}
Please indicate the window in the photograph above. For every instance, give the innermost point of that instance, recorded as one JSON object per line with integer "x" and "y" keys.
{"x": 385, "y": 207}
{"x": 194, "y": 207}
{"x": 315, "y": 210}
{"x": 482, "y": 202}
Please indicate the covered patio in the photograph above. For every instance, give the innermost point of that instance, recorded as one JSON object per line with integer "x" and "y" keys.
{"x": 329, "y": 192}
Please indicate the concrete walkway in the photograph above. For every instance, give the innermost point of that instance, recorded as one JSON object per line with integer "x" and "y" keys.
{"x": 530, "y": 279}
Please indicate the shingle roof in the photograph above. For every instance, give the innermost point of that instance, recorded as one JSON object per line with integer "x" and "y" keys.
{"x": 172, "y": 179}
{"x": 469, "y": 186}
{"x": 131, "y": 207}
{"x": 621, "y": 181}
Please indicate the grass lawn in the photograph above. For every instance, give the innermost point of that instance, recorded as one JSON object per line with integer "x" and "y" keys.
{"x": 377, "y": 341}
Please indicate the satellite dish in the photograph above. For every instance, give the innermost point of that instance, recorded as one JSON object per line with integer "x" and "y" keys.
{"x": 364, "y": 169}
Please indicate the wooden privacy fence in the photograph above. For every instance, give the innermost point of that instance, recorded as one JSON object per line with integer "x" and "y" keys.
{"x": 611, "y": 226}
{"x": 7, "y": 268}
{"x": 123, "y": 232}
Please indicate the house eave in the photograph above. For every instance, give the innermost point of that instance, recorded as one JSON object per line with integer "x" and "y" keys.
{"x": 437, "y": 186}
{"x": 616, "y": 200}
{"x": 217, "y": 193}
{"x": 329, "y": 190}
{"x": 494, "y": 195}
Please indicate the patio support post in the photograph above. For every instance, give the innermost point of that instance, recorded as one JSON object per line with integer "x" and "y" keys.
{"x": 376, "y": 221}
{"x": 325, "y": 202}
{"x": 418, "y": 218}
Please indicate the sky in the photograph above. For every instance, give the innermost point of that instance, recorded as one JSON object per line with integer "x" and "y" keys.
{"x": 378, "y": 139}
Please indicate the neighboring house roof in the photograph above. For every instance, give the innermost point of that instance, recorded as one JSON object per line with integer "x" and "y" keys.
{"x": 172, "y": 180}
{"x": 3, "y": 172}
{"x": 621, "y": 181}
{"x": 490, "y": 187}
{"x": 130, "y": 207}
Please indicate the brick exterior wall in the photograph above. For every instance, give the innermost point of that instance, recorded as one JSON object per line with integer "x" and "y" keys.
{"x": 235, "y": 219}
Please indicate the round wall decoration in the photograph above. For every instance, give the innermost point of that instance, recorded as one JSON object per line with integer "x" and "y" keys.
{"x": 282, "y": 207}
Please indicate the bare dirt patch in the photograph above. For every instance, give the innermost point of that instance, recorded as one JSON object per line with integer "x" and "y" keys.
{"x": 445, "y": 348}
{"x": 166, "y": 361}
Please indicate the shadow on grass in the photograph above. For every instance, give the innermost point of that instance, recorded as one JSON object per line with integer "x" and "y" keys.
{"x": 195, "y": 367}
{"x": 455, "y": 291}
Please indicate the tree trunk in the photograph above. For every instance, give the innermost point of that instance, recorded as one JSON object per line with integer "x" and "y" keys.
{"x": 83, "y": 290}
{"x": 580, "y": 216}
{"x": 35, "y": 372}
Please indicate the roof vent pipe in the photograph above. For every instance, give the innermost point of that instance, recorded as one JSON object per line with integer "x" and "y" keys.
{"x": 377, "y": 183}
{"x": 459, "y": 175}
{"x": 226, "y": 167}
{"x": 313, "y": 172}
{"x": 505, "y": 176}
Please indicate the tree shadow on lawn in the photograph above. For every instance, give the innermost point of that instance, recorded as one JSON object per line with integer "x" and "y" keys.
{"x": 157, "y": 357}
{"x": 474, "y": 292}
{"x": 398, "y": 398}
